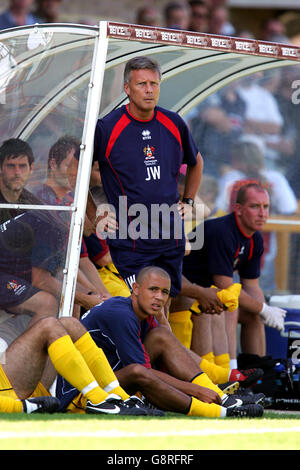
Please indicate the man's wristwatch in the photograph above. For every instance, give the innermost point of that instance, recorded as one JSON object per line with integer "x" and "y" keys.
{"x": 188, "y": 200}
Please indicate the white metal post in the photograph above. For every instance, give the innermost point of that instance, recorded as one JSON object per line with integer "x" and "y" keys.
{"x": 84, "y": 170}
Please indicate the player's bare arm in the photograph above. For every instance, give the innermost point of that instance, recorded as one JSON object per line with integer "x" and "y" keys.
{"x": 207, "y": 297}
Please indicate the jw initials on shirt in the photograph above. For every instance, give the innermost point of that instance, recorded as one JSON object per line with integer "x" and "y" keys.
{"x": 153, "y": 172}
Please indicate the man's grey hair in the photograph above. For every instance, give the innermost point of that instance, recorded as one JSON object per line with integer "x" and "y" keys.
{"x": 139, "y": 63}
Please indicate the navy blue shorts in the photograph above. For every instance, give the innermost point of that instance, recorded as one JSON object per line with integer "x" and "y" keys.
{"x": 14, "y": 290}
{"x": 129, "y": 263}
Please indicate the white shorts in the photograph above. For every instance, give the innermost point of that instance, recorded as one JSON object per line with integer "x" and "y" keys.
{"x": 11, "y": 326}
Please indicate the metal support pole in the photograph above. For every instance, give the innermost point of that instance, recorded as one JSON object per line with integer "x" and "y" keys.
{"x": 84, "y": 171}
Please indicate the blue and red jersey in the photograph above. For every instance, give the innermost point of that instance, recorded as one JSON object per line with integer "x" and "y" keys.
{"x": 226, "y": 249}
{"x": 141, "y": 160}
{"x": 91, "y": 246}
{"x": 34, "y": 238}
{"x": 115, "y": 329}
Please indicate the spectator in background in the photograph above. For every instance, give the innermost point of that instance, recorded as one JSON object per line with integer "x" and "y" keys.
{"x": 199, "y": 17}
{"x": 216, "y": 124}
{"x": 287, "y": 97}
{"x": 288, "y": 101}
{"x": 177, "y": 15}
{"x": 217, "y": 3}
{"x": 273, "y": 30}
{"x": 262, "y": 115}
{"x": 248, "y": 163}
{"x": 48, "y": 10}
{"x": 219, "y": 22}
{"x": 220, "y": 18}
{"x": 282, "y": 147}
{"x": 208, "y": 193}
{"x": 18, "y": 14}
{"x": 148, "y": 16}
{"x": 244, "y": 33}
{"x": 294, "y": 31}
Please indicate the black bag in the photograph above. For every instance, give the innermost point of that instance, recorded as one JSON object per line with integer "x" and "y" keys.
{"x": 268, "y": 383}
{"x": 280, "y": 382}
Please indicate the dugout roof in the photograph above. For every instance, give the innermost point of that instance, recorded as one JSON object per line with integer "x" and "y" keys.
{"x": 57, "y": 79}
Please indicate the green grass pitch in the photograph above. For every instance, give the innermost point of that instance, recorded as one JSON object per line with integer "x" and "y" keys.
{"x": 274, "y": 431}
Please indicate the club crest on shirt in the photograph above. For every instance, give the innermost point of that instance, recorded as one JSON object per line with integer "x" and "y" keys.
{"x": 149, "y": 152}
{"x": 152, "y": 169}
{"x": 12, "y": 285}
{"x": 17, "y": 288}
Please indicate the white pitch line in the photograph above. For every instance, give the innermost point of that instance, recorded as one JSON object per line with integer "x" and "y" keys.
{"x": 123, "y": 434}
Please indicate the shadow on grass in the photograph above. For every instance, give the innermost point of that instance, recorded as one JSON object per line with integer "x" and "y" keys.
{"x": 82, "y": 416}
{"x": 269, "y": 414}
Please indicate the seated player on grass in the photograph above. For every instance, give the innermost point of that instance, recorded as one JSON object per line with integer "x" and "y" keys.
{"x": 146, "y": 356}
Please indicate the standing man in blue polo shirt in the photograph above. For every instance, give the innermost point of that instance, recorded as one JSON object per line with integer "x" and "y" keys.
{"x": 140, "y": 148}
{"x": 233, "y": 243}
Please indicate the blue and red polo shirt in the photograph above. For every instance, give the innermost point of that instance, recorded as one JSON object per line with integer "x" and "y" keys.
{"x": 141, "y": 160}
{"x": 226, "y": 249}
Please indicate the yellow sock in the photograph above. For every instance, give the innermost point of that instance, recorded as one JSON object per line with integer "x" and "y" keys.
{"x": 99, "y": 366}
{"x": 204, "y": 381}
{"x": 10, "y": 405}
{"x": 70, "y": 364}
{"x": 223, "y": 360}
{"x": 218, "y": 374}
{"x": 210, "y": 357}
{"x": 207, "y": 410}
{"x": 182, "y": 326}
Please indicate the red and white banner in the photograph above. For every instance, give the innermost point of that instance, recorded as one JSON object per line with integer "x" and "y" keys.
{"x": 202, "y": 41}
